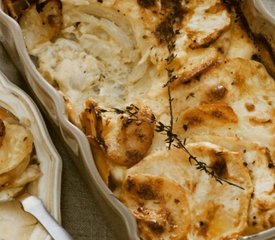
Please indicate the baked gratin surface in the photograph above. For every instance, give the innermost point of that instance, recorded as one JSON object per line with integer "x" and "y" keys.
{"x": 179, "y": 116}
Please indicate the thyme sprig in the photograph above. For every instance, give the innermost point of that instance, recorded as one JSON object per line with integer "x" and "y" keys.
{"x": 167, "y": 34}
{"x": 173, "y": 140}
{"x": 171, "y": 76}
{"x": 131, "y": 110}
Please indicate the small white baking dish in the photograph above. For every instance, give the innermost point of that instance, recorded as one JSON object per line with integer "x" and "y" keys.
{"x": 47, "y": 188}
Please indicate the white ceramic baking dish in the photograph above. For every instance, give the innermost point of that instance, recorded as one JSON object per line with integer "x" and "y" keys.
{"x": 52, "y": 103}
{"x": 48, "y": 185}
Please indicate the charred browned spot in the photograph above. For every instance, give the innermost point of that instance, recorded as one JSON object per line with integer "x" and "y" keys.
{"x": 256, "y": 57}
{"x": 146, "y": 3}
{"x": 171, "y": 5}
{"x": 42, "y": 4}
{"x": 216, "y": 93}
{"x": 164, "y": 32}
{"x": 54, "y": 21}
{"x": 2, "y": 128}
{"x": 133, "y": 156}
{"x": 2, "y": 131}
{"x": 193, "y": 120}
{"x": 207, "y": 41}
{"x": 126, "y": 121}
{"x": 139, "y": 133}
{"x": 203, "y": 228}
{"x": 249, "y": 107}
{"x": 259, "y": 121}
{"x": 220, "y": 50}
{"x": 209, "y": 114}
{"x": 269, "y": 158}
{"x": 219, "y": 167}
{"x": 172, "y": 12}
{"x": 169, "y": 219}
{"x": 217, "y": 114}
{"x": 130, "y": 184}
{"x": 145, "y": 191}
{"x": 155, "y": 227}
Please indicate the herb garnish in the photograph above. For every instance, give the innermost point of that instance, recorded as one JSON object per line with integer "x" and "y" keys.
{"x": 167, "y": 34}
{"x": 173, "y": 140}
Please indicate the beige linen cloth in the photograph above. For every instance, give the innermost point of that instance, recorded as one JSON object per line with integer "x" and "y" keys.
{"x": 81, "y": 215}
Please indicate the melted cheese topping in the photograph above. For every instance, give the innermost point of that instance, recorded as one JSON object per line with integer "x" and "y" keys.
{"x": 115, "y": 54}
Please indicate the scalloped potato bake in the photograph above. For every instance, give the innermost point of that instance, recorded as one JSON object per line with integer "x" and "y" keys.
{"x": 179, "y": 115}
{"x": 17, "y": 164}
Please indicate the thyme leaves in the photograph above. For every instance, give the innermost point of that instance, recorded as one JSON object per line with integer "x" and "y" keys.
{"x": 171, "y": 77}
{"x": 173, "y": 140}
{"x": 167, "y": 34}
{"x": 131, "y": 110}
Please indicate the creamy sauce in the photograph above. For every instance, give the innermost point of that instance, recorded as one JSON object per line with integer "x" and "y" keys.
{"x": 116, "y": 60}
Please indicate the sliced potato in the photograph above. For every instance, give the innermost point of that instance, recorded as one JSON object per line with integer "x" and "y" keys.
{"x": 15, "y": 155}
{"x": 261, "y": 169}
{"x": 15, "y": 223}
{"x": 217, "y": 210}
{"x": 7, "y": 177}
{"x": 92, "y": 125}
{"x": 130, "y": 136}
{"x": 159, "y": 205}
{"x": 10, "y": 191}
{"x": 10, "y": 127}
{"x": 193, "y": 64}
{"x": 31, "y": 173}
{"x": 244, "y": 87}
{"x": 208, "y": 21}
{"x": 125, "y": 135}
{"x": 17, "y": 145}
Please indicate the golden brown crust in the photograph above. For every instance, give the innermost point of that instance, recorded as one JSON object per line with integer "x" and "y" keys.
{"x": 44, "y": 20}
{"x": 213, "y": 213}
{"x": 209, "y": 115}
{"x": 258, "y": 160}
{"x": 159, "y": 205}
{"x": 134, "y": 136}
{"x": 199, "y": 51}
{"x": 124, "y": 141}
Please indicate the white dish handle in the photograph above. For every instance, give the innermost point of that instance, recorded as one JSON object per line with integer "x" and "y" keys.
{"x": 35, "y": 206}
